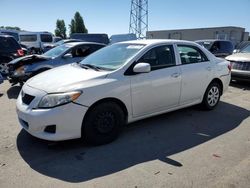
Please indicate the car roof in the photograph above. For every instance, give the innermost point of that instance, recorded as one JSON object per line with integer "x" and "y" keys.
{"x": 211, "y": 40}
{"x": 157, "y": 41}
{"x": 6, "y": 36}
{"x": 80, "y": 43}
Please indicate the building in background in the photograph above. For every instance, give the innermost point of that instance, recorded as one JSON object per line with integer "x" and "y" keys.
{"x": 234, "y": 34}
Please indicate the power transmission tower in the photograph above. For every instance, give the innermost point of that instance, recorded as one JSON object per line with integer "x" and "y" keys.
{"x": 139, "y": 18}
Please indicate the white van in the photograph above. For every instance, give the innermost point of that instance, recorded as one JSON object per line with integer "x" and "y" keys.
{"x": 36, "y": 40}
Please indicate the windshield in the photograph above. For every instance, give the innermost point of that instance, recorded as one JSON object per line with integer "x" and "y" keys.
{"x": 112, "y": 57}
{"x": 246, "y": 49}
{"x": 206, "y": 44}
{"x": 59, "y": 50}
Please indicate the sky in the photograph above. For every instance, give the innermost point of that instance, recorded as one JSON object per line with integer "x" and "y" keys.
{"x": 112, "y": 16}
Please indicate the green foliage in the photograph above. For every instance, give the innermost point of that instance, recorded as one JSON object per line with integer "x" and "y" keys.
{"x": 77, "y": 24}
{"x": 11, "y": 28}
{"x": 60, "y": 30}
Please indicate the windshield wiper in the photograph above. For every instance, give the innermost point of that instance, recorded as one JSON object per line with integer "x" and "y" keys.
{"x": 90, "y": 66}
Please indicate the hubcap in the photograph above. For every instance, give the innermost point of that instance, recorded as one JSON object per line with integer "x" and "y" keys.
{"x": 213, "y": 96}
{"x": 105, "y": 122}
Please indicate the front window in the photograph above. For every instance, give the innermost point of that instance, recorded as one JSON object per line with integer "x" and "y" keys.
{"x": 59, "y": 50}
{"x": 113, "y": 57}
{"x": 246, "y": 49}
{"x": 28, "y": 38}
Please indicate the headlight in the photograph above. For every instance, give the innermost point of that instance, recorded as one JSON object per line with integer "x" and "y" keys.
{"x": 53, "y": 100}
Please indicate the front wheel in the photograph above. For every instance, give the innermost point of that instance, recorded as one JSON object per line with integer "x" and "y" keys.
{"x": 212, "y": 96}
{"x": 103, "y": 123}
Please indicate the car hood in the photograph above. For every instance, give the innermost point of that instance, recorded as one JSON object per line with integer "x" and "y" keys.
{"x": 66, "y": 78}
{"x": 239, "y": 57}
{"x": 28, "y": 59}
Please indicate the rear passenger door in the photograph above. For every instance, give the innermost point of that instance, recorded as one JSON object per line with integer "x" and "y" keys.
{"x": 196, "y": 71}
{"x": 159, "y": 89}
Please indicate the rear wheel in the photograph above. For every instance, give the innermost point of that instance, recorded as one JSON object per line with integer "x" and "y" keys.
{"x": 212, "y": 96}
{"x": 103, "y": 123}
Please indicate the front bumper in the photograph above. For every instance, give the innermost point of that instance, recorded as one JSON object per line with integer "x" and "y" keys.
{"x": 240, "y": 75}
{"x": 67, "y": 118}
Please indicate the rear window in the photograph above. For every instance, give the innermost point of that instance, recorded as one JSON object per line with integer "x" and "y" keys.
{"x": 46, "y": 38}
{"x": 8, "y": 44}
{"x": 28, "y": 38}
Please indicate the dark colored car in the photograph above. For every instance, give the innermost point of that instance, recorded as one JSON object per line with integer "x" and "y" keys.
{"x": 100, "y": 38}
{"x": 220, "y": 48}
{"x": 23, "y": 68}
{"x": 9, "y": 49}
{"x": 1, "y": 78}
{"x": 50, "y": 46}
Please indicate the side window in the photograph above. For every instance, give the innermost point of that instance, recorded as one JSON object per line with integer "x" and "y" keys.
{"x": 81, "y": 51}
{"x": 95, "y": 47}
{"x": 159, "y": 57}
{"x": 191, "y": 54}
{"x": 46, "y": 38}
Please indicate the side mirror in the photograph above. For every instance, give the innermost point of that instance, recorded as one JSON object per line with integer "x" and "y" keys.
{"x": 68, "y": 55}
{"x": 142, "y": 68}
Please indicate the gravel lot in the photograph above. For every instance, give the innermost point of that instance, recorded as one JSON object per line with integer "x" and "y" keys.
{"x": 186, "y": 148}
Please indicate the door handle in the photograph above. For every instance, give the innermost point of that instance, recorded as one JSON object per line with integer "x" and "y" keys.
{"x": 175, "y": 75}
{"x": 209, "y": 68}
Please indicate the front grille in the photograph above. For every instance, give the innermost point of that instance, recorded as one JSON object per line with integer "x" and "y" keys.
{"x": 27, "y": 99}
{"x": 238, "y": 65}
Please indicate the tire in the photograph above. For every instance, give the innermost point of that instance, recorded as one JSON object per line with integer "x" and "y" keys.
{"x": 103, "y": 123}
{"x": 212, "y": 96}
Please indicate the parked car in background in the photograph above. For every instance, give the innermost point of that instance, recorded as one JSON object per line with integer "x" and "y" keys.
{"x": 122, "y": 38}
{"x": 240, "y": 64}
{"x": 35, "y": 41}
{"x": 119, "y": 84}
{"x": 9, "y": 49}
{"x": 24, "y": 68}
{"x": 1, "y": 78}
{"x": 220, "y": 48}
{"x": 12, "y": 33}
{"x": 100, "y": 38}
{"x": 241, "y": 45}
{"x": 50, "y": 46}
{"x": 56, "y": 39}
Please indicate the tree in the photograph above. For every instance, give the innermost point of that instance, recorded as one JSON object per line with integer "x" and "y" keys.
{"x": 77, "y": 24}
{"x": 72, "y": 26}
{"x": 11, "y": 28}
{"x": 60, "y": 30}
{"x": 249, "y": 38}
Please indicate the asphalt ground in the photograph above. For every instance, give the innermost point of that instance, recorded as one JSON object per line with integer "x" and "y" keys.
{"x": 185, "y": 148}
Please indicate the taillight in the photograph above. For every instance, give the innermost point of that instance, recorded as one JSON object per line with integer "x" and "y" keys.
{"x": 20, "y": 52}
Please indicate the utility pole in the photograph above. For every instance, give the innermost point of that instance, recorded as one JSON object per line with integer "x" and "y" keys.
{"x": 139, "y": 18}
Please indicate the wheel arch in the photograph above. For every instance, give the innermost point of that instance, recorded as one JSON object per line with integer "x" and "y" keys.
{"x": 110, "y": 99}
{"x": 218, "y": 81}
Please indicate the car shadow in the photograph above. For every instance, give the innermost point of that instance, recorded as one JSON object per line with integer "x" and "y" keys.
{"x": 13, "y": 92}
{"x": 152, "y": 139}
{"x": 241, "y": 85}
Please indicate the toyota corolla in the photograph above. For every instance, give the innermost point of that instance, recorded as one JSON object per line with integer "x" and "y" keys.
{"x": 119, "y": 84}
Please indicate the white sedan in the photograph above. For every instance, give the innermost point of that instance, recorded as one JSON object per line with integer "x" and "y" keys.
{"x": 119, "y": 84}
